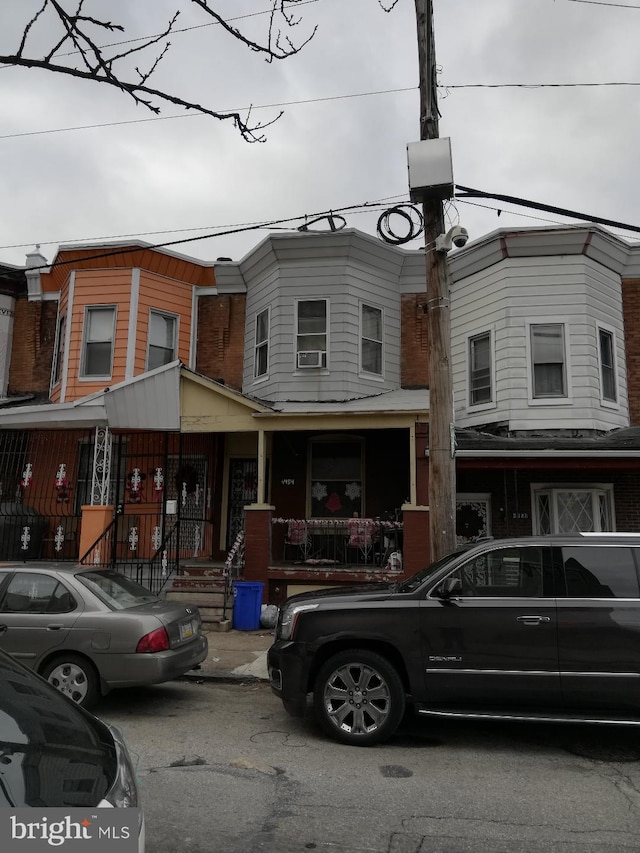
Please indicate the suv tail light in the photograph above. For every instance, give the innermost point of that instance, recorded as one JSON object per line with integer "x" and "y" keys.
{"x": 156, "y": 641}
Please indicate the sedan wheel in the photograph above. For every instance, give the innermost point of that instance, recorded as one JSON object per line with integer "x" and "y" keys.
{"x": 75, "y": 677}
{"x": 359, "y": 697}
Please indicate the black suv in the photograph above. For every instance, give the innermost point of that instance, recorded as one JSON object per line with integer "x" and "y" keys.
{"x": 537, "y": 628}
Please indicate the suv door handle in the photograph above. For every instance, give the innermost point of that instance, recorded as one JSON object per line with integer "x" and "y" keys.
{"x": 533, "y": 620}
{"x": 55, "y": 626}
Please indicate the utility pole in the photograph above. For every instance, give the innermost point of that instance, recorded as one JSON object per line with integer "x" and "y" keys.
{"x": 442, "y": 489}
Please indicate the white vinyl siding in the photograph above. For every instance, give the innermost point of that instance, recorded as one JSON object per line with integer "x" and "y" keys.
{"x": 507, "y": 297}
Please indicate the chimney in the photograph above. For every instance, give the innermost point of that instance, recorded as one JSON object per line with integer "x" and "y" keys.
{"x": 34, "y": 266}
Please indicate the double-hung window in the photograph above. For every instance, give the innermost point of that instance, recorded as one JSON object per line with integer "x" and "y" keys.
{"x": 607, "y": 366}
{"x": 59, "y": 354}
{"x": 99, "y": 331}
{"x": 548, "y": 360}
{"x": 311, "y": 333}
{"x": 371, "y": 340}
{"x": 162, "y": 339}
{"x": 261, "y": 352}
{"x": 480, "y": 390}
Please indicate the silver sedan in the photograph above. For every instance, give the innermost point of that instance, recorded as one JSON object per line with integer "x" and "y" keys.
{"x": 88, "y": 631}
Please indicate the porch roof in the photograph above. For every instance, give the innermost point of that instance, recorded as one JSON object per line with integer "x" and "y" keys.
{"x": 619, "y": 443}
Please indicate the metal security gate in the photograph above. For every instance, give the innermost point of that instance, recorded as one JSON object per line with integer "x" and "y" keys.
{"x": 41, "y": 493}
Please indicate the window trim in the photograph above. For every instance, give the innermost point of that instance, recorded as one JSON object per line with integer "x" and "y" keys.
{"x": 260, "y": 377}
{"x": 176, "y": 319}
{"x": 371, "y": 374}
{"x": 492, "y": 403}
{"x": 301, "y": 371}
{"x": 553, "y": 488}
{"x": 95, "y": 377}
{"x": 567, "y": 399}
{"x": 605, "y": 401}
{"x": 59, "y": 350}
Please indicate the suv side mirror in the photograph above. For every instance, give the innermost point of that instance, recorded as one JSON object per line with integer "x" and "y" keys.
{"x": 449, "y": 588}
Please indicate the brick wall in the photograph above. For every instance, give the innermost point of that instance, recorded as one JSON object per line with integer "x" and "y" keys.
{"x": 220, "y": 338}
{"x": 34, "y": 333}
{"x": 631, "y": 316}
{"x": 414, "y": 341}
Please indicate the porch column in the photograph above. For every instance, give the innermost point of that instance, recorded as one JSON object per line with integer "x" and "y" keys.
{"x": 415, "y": 514}
{"x": 98, "y": 515}
{"x": 257, "y": 543}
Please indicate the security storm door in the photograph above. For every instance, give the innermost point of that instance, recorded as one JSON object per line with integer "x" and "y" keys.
{"x": 496, "y": 642}
{"x": 243, "y": 490}
{"x": 187, "y": 483}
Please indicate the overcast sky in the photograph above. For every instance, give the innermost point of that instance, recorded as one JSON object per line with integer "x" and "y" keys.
{"x": 576, "y": 148}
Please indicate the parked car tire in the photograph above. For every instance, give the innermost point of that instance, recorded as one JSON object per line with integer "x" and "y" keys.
{"x": 74, "y": 676}
{"x": 359, "y": 698}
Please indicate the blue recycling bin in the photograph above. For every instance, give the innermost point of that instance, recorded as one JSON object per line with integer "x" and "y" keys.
{"x": 247, "y": 605}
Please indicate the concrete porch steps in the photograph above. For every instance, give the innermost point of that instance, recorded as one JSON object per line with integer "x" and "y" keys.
{"x": 204, "y": 586}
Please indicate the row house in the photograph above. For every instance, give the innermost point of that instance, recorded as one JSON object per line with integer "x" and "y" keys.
{"x": 158, "y": 410}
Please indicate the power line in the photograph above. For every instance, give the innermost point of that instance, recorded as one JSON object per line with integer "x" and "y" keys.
{"x": 303, "y": 217}
{"x": 366, "y": 207}
{"x": 467, "y": 192}
{"x": 198, "y": 115}
{"x": 604, "y": 3}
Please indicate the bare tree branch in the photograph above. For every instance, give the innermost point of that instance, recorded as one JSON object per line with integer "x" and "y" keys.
{"x": 250, "y": 133}
{"x": 272, "y": 48}
{"x": 100, "y": 66}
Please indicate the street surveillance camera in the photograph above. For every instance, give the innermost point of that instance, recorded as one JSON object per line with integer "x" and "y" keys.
{"x": 456, "y": 236}
{"x": 459, "y": 236}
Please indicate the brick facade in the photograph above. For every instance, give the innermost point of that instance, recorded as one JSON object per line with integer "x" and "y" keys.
{"x": 220, "y": 338}
{"x": 631, "y": 314}
{"x": 34, "y": 334}
{"x": 414, "y": 341}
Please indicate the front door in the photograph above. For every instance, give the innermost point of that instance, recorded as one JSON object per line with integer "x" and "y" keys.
{"x": 243, "y": 490}
{"x": 494, "y": 644}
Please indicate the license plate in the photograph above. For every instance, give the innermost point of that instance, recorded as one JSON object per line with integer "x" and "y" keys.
{"x": 187, "y": 629}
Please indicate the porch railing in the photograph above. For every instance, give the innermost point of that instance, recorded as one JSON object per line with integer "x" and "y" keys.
{"x": 339, "y": 542}
{"x": 118, "y": 548}
{"x": 233, "y": 569}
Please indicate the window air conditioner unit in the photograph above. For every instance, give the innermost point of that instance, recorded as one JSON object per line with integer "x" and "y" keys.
{"x": 310, "y": 358}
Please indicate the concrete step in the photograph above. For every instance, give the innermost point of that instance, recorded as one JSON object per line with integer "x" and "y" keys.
{"x": 201, "y": 598}
{"x": 198, "y": 584}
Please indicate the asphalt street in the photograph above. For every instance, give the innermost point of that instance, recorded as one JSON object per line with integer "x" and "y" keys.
{"x": 223, "y": 769}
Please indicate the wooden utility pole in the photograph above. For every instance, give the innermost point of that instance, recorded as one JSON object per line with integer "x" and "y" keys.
{"x": 442, "y": 489}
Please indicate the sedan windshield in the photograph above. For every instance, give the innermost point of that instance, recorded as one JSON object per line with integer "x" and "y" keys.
{"x": 116, "y": 590}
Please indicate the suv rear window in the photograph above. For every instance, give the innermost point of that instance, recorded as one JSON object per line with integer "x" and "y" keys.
{"x": 606, "y": 571}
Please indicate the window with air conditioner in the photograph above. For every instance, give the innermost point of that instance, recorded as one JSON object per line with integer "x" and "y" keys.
{"x": 311, "y": 333}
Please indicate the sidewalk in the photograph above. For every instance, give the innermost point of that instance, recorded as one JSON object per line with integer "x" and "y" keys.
{"x": 236, "y": 656}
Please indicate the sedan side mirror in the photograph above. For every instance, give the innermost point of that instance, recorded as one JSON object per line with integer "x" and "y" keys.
{"x": 449, "y": 588}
